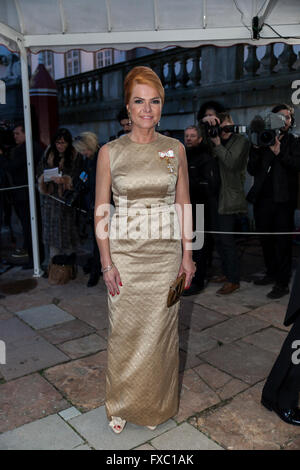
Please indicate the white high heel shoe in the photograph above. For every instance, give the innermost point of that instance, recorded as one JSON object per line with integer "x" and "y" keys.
{"x": 117, "y": 424}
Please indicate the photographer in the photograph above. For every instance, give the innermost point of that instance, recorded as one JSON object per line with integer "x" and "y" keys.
{"x": 274, "y": 197}
{"x": 231, "y": 151}
{"x": 204, "y": 180}
{"x": 87, "y": 144}
{"x": 208, "y": 109}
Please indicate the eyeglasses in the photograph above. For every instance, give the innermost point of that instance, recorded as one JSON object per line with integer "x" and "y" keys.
{"x": 77, "y": 138}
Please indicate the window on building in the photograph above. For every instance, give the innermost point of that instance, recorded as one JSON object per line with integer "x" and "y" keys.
{"x": 72, "y": 62}
{"x": 48, "y": 61}
{"x": 104, "y": 58}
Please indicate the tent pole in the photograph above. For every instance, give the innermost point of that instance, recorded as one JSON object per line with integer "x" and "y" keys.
{"x": 30, "y": 162}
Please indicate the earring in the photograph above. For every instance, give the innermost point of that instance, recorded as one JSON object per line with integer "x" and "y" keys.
{"x": 129, "y": 119}
{"x": 158, "y": 124}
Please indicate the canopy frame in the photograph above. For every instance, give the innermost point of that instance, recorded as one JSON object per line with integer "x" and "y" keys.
{"x": 37, "y": 272}
{"x": 125, "y": 40}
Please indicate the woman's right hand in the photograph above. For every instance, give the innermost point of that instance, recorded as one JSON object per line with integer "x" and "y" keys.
{"x": 112, "y": 281}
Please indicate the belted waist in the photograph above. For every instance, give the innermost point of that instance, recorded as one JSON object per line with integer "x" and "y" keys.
{"x": 154, "y": 209}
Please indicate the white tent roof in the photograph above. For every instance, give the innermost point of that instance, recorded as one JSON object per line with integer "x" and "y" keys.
{"x": 60, "y": 25}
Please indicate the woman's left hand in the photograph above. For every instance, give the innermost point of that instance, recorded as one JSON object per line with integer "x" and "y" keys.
{"x": 188, "y": 266}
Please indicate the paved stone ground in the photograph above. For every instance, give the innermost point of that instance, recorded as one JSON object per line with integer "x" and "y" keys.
{"x": 52, "y": 387}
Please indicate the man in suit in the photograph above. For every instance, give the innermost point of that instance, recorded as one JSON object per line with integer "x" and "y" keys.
{"x": 274, "y": 194}
{"x": 281, "y": 391}
{"x": 16, "y": 166}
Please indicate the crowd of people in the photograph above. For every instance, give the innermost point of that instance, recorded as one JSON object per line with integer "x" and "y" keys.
{"x": 58, "y": 202}
{"x": 217, "y": 157}
{"x": 155, "y": 171}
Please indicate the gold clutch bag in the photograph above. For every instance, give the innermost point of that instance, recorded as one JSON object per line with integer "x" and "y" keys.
{"x": 176, "y": 289}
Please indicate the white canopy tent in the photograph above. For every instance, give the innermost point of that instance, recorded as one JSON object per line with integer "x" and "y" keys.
{"x": 62, "y": 25}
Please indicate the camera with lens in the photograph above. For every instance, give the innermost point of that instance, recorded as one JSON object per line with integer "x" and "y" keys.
{"x": 71, "y": 197}
{"x": 215, "y": 131}
{"x": 264, "y": 130}
{"x": 212, "y": 131}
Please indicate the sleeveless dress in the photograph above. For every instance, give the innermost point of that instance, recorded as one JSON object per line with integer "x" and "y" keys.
{"x": 145, "y": 245}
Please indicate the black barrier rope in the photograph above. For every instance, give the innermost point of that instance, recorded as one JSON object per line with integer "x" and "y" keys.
{"x": 196, "y": 231}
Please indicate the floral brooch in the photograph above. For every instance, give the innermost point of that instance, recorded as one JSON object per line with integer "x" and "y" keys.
{"x": 166, "y": 156}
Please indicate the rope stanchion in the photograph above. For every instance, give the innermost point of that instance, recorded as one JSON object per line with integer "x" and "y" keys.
{"x": 214, "y": 232}
{"x": 247, "y": 233}
{"x": 64, "y": 203}
{"x": 14, "y": 187}
{"x": 45, "y": 195}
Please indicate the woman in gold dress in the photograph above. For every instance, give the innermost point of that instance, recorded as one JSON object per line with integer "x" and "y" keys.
{"x": 142, "y": 253}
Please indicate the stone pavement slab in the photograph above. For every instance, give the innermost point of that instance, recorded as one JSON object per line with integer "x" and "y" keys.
{"x": 188, "y": 360}
{"x": 66, "y": 331}
{"x": 252, "y": 296}
{"x": 272, "y": 313}
{"x": 69, "y": 413}
{"x": 196, "y": 342}
{"x": 28, "y": 399}
{"x": 82, "y": 447}
{"x": 83, "y": 346}
{"x": 244, "y": 424}
{"x": 184, "y": 437}
{"x": 221, "y": 304}
{"x": 3, "y": 310}
{"x": 242, "y": 361}
{"x": 5, "y": 315}
{"x": 14, "y": 330}
{"x": 196, "y": 317}
{"x": 145, "y": 447}
{"x": 93, "y": 426}
{"x": 82, "y": 381}
{"x": 30, "y": 355}
{"x": 44, "y": 316}
{"x": 15, "y": 303}
{"x": 231, "y": 389}
{"x": 50, "y": 433}
{"x": 236, "y": 328}
{"x": 91, "y": 309}
{"x": 223, "y": 384}
{"x": 195, "y": 396}
{"x": 270, "y": 339}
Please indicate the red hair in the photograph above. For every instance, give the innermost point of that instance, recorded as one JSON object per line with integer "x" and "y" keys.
{"x": 142, "y": 76}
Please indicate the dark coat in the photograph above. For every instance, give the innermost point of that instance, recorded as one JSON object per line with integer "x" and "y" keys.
{"x": 284, "y": 168}
{"x": 90, "y": 166}
{"x": 16, "y": 167}
{"x": 293, "y": 309}
{"x": 204, "y": 176}
{"x": 232, "y": 156}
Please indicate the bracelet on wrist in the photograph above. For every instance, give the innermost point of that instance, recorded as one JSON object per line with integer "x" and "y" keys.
{"x": 108, "y": 268}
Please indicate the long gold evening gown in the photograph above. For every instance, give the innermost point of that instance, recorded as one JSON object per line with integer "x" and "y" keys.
{"x": 143, "y": 353}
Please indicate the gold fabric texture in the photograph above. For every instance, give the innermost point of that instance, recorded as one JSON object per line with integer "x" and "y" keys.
{"x": 143, "y": 351}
